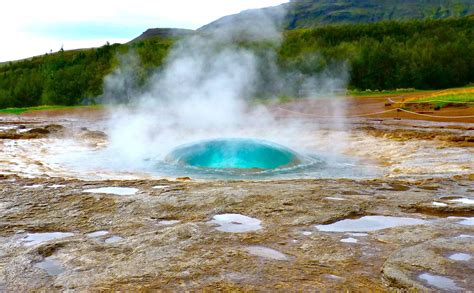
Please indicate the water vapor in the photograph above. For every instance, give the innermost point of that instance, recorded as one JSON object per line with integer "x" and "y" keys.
{"x": 207, "y": 89}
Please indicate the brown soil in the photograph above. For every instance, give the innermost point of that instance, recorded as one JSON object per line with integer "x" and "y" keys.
{"x": 370, "y": 107}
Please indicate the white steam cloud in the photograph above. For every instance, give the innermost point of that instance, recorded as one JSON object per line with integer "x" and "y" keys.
{"x": 206, "y": 89}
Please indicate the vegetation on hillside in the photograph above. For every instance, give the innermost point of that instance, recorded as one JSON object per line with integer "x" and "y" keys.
{"x": 313, "y": 13}
{"x": 428, "y": 54}
{"x": 71, "y": 77}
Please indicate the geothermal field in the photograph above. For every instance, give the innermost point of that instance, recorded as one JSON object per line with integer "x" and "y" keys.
{"x": 288, "y": 203}
{"x": 195, "y": 182}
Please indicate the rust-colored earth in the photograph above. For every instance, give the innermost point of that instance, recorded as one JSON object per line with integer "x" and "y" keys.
{"x": 381, "y": 107}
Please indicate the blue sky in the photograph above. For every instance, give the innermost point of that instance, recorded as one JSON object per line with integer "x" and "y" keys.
{"x": 30, "y": 27}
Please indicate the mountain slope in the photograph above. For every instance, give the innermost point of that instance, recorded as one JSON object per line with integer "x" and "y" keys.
{"x": 162, "y": 33}
{"x": 311, "y": 13}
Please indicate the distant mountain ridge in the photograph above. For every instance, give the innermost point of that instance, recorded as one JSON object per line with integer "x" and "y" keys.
{"x": 162, "y": 33}
{"x": 312, "y": 13}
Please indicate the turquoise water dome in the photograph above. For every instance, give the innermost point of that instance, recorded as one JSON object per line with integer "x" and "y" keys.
{"x": 234, "y": 153}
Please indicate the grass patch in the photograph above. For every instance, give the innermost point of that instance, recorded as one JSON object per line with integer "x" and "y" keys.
{"x": 448, "y": 100}
{"x": 370, "y": 93}
{"x": 19, "y": 111}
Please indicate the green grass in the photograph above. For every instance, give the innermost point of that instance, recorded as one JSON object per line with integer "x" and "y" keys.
{"x": 19, "y": 111}
{"x": 369, "y": 93}
{"x": 443, "y": 101}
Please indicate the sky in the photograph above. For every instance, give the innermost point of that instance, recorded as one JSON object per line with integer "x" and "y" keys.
{"x": 31, "y": 27}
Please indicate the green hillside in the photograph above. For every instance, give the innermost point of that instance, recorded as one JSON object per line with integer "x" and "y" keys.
{"x": 427, "y": 54}
{"x": 312, "y": 13}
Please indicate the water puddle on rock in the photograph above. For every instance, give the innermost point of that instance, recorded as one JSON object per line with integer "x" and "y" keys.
{"x": 97, "y": 234}
{"x": 439, "y": 204}
{"x": 460, "y": 257}
{"x": 36, "y": 186}
{"x": 168, "y": 222}
{"x": 266, "y": 252}
{"x": 463, "y": 201}
{"x": 335, "y": 198}
{"x": 358, "y": 234}
{"x": 369, "y": 223}
{"x": 439, "y": 282}
{"x": 236, "y": 223}
{"x": 349, "y": 240}
{"x": 161, "y": 187}
{"x": 113, "y": 190}
{"x": 51, "y": 265}
{"x": 38, "y": 238}
{"x": 56, "y": 186}
{"x": 467, "y": 221}
{"x": 113, "y": 239}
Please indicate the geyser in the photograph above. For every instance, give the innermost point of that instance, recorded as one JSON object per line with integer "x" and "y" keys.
{"x": 234, "y": 153}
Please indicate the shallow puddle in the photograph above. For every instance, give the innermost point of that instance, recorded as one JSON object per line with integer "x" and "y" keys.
{"x": 97, "y": 234}
{"x": 168, "y": 222}
{"x": 266, "y": 252}
{"x": 56, "y": 186}
{"x": 51, "y": 265}
{"x": 36, "y": 186}
{"x": 463, "y": 201}
{"x": 235, "y": 223}
{"x": 439, "y": 282}
{"x": 113, "y": 239}
{"x": 439, "y": 204}
{"x": 349, "y": 240}
{"x": 38, "y": 238}
{"x": 369, "y": 223}
{"x": 113, "y": 190}
{"x": 467, "y": 221}
{"x": 460, "y": 256}
{"x": 335, "y": 198}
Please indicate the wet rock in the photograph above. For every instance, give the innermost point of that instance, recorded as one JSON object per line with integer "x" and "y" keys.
{"x": 92, "y": 134}
{"x": 38, "y": 131}
{"x": 413, "y": 267}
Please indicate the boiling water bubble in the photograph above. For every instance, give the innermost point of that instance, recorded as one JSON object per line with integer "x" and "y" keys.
{"x": 235, "y": 154}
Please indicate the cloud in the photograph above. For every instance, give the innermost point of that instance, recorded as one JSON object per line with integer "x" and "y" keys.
{"x": 31, "y": 27}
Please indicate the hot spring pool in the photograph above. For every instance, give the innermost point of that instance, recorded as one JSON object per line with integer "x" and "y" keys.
{"x": 242, "y": 158}
{"x": 222, "y": 158}
{"x": 236, "y": 154}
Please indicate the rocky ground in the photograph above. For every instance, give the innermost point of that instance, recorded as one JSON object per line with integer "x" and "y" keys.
{"x": 398, "y": 231}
